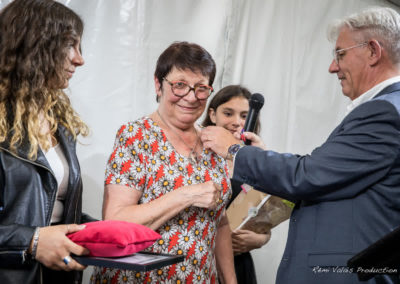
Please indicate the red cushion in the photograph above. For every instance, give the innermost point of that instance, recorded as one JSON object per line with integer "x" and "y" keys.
{"x": 114, "y": 238}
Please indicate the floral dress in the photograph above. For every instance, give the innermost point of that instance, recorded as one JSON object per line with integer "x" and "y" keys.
{"x": 144, "y": 160}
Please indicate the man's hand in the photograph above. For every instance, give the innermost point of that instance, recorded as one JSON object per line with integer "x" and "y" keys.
{"x": 218, "y": 139}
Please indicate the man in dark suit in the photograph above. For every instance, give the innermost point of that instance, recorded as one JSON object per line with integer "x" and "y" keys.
{"x": 347, "y": 191}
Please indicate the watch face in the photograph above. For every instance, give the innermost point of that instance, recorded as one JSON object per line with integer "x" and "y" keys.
{"x": 234, "y": 148}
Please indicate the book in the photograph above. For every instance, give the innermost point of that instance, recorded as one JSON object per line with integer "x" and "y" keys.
{"x": 257, "y": 211}
{"x": 141, "y": 261}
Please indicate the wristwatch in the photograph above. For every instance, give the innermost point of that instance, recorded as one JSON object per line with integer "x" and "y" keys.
{"x": 232, "y": 150}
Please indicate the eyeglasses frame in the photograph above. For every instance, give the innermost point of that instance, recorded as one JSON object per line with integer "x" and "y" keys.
{"x": 190, "y": 89}
{"x": 336, "y": 52}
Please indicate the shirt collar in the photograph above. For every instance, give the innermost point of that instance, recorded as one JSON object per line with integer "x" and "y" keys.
{"x": 368, "y": 95}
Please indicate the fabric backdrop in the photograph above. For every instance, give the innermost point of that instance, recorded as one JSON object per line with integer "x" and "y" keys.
{"x": 278, "y": 48}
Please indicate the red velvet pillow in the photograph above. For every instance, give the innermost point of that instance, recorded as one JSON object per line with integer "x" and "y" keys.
{"x": 114, "y": 238}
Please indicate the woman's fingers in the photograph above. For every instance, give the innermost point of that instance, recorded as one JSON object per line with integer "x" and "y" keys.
{"x": 55, "y": 248}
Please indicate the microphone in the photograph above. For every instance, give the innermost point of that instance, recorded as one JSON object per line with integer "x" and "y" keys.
{"x": 256, "y": 102}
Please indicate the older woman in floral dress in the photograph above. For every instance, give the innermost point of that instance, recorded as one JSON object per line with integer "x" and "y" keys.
{"x": 159, "y": 175}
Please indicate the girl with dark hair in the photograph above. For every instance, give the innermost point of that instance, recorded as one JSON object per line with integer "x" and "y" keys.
{"x": 40, "y": 181}
{"x": 228, "y": 109}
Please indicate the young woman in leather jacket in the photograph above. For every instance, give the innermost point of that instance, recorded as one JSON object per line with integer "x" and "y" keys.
{"x": 40, "y": 181}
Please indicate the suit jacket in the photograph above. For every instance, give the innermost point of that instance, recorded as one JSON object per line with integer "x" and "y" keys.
{"x": 347, "y": 191}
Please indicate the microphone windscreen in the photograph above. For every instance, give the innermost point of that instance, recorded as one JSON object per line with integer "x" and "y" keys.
{"x": 256, "y": 101}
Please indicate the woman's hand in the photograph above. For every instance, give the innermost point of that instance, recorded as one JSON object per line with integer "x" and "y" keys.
{"x": 121, "y": 203}
{"x": 53, "y": 246}
{"x": 205, "y": 195}
{"x": 245, "y": 240}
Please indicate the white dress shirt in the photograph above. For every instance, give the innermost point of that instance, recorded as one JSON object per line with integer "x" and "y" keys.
{"x": 368, "y": 95}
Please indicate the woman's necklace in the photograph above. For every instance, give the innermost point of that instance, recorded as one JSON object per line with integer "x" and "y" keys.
{"x": 193, "y": 154}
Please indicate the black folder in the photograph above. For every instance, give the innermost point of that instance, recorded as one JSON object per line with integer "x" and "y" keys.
{"x": 382, "y": 257}
{"x": 141, "y": 261}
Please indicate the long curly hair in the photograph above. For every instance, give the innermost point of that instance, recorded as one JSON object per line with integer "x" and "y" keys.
{"x": 34, "y": 37}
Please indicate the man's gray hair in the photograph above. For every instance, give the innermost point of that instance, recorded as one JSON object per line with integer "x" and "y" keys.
{"x": 381, "y": 23}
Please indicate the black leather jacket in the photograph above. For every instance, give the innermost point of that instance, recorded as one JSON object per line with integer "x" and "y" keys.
{"x": 27, "y": 195}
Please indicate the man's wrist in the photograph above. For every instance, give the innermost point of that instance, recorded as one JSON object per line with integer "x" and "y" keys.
{"x": 232, "y": 150}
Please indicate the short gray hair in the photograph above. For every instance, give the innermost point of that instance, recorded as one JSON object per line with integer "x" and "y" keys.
{"x": 382, "y": 23}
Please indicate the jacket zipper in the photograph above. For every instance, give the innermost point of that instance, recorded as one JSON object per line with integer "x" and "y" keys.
{"x": 76, "y": 206}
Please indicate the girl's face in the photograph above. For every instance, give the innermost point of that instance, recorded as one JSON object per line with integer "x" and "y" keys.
{"x": 231, "y": 115}
{"x": 74, "y": 60}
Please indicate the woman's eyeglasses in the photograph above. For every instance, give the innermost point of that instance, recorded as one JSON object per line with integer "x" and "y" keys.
{"x": 181, "y": 89}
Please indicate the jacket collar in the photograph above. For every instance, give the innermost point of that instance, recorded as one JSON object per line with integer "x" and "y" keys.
{"x": 66, "y": 141}
{"x": 389, "y": 89}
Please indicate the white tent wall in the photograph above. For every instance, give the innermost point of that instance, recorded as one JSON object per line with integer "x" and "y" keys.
{"x": 278, "y": 48}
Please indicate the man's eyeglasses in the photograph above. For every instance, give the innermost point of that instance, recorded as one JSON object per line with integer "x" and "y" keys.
{"x": 338, "y": 54}
{"x": 181, "y": 89}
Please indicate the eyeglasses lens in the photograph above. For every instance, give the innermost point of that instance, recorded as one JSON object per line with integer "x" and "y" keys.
{"x": 181, "y": 89}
